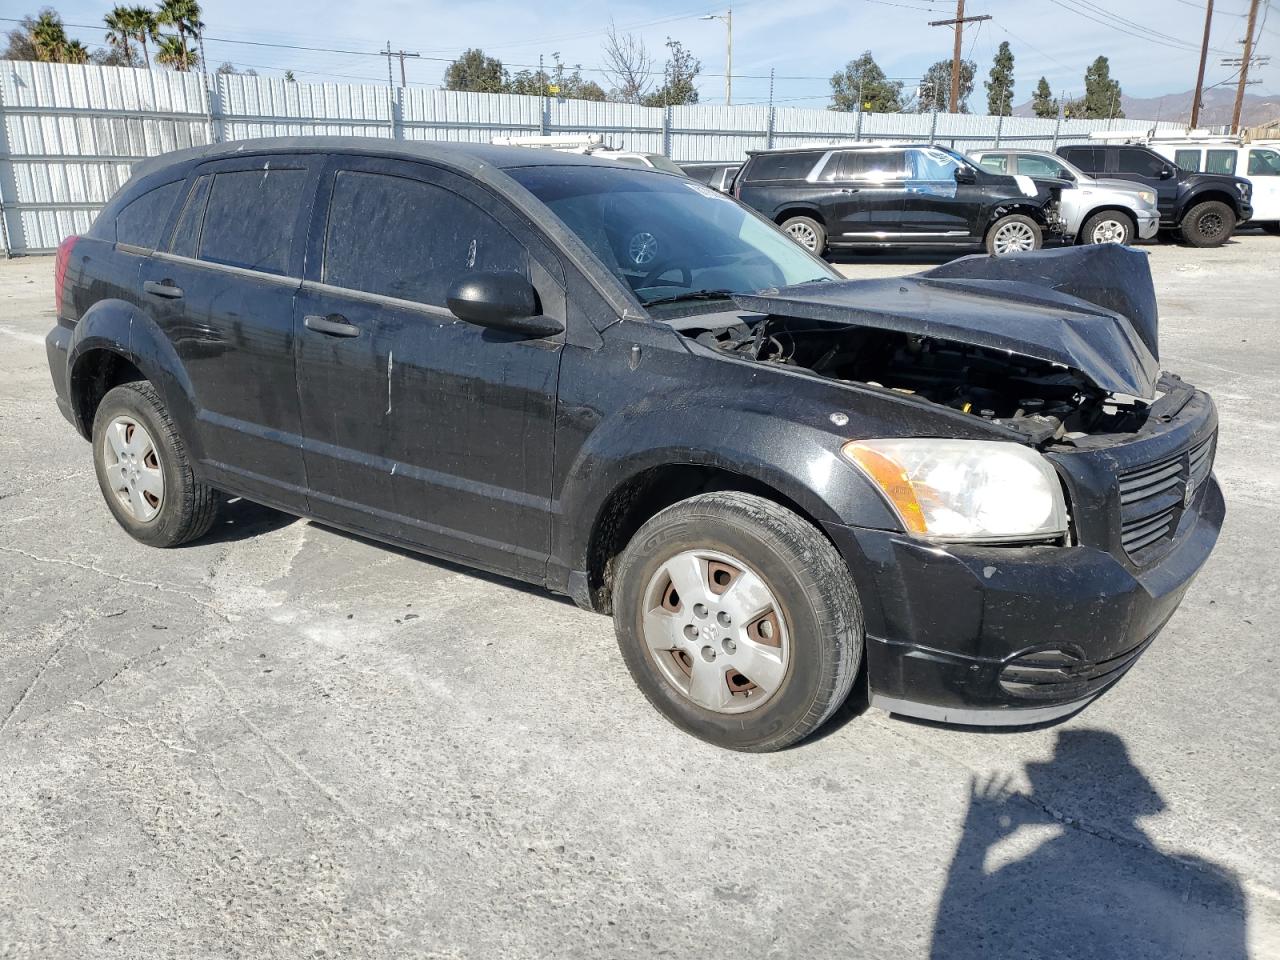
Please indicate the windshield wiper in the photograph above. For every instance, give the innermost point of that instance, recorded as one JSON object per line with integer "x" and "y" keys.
{"x": 689, "y": 295}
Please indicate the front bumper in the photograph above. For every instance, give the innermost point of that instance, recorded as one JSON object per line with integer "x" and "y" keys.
{"x": 1012, "y": 635}
{"x": 1148, "y": 225}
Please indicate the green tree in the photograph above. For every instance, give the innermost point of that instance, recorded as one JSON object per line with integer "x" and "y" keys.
{"x": 289, "y": 77}
{"x": 476, "y": 73}
{"x": 75, "y": 52}
{"x": 120, "y": 31}
{"x": 560, "y": 82}
{"x": 183, "y": 16}
{"x": 49, "y": 37}
{"x": 143, "y": 28}
{"x": 678, "y": 78}
{"x": 935, "y": 86}
{"x": 863, "y": 80}
{"x": 1042, "y": 101}
{"x": 174, "y": 52}
{"x": 1101, "y": 93}
{"x": 1000, "y": 85}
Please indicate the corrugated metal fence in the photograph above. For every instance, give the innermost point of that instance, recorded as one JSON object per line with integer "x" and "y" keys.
{"x": 70, "y": 133}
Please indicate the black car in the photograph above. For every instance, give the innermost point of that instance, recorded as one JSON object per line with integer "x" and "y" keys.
{"x": 716, "y": 175}
{"x": 974, "y": 487}
{"x": 881, "y": 196}
{"x": 1204, "y": 207}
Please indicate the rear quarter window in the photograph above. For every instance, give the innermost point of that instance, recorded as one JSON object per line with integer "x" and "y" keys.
{"x": 1088, "y": 159}
{"x": 250, "y": 217}
{"x": 781, "y": 166}
{"x": 143, "y": 218}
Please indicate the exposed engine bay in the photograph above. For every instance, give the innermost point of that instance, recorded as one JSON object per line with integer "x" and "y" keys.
{"x": 1044, "y": 400}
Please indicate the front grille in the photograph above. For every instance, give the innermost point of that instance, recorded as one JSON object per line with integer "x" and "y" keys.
{"x": 1153, "y": 496}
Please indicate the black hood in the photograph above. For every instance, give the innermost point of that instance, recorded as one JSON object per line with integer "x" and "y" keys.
{"x": 1091, "y": 309}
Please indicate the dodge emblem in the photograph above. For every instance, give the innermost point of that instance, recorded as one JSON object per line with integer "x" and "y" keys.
{"x": 1188, "y": 493}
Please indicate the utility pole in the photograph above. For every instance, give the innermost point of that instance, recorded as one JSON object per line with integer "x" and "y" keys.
{"x": 1204, "y": 55}
{"x": 389, "y": 53}
{"x": 959, "y": 22}
{"x": 727, "y": 19}
{"x": 1244, "y": 66}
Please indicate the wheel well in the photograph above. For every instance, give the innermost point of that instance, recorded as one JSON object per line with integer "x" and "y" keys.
{"x": 1211, "y": 195}
{"x": 95, "y": 373}
{"x": 1108, "y": 208}
{"x": 787, "y": 214}
{"x": 1011, "y": 209}
{"x": 633, "y": 503}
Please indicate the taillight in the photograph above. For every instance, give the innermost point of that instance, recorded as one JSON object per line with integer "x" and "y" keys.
{"x": 60, "y": 270}
{"x": 737, "y": 186}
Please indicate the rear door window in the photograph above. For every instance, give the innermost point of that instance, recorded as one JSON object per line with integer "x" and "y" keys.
{"x": 425, "y": 238}
{"x": 995, "y": 162}
{"x": 781, "y": 166}
{"x": 1187, "y": 159}
{"x": 1088, "y": 159}
{"x": 250, "y": 218}
{"x": 140, "y": 223}
{"x": 871, "y": 165}
{"x": 1220, "y": 161}
{"x": 1140, "y": 162}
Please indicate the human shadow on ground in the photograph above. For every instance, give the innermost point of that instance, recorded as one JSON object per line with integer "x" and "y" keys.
{"x": 1028, "y": 881}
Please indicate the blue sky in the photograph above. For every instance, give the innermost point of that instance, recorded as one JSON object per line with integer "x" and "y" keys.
{"x": 803, "y": 40}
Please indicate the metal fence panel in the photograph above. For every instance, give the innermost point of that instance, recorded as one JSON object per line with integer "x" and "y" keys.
{"x": 70, "y": 133}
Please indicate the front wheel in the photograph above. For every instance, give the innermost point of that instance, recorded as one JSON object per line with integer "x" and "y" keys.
{"x": 1015, "y": 233}
{"x": 807, "y": 232}
{"x": 738, "y": 620}
{"x": 1208, "y": 224}
{"x": 1107, "y": 227}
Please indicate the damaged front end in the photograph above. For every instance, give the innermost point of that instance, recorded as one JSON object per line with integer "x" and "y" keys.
{"x": 1054, "y": 345}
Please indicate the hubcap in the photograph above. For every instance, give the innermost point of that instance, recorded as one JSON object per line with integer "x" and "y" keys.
{"x": 643, "y": 248}
{"x": 1014, "y": 238}
{"x": 1110, "y": 231}
{"x": 716, "y": 631}
{"x": 133, "y": 468}
{"x": 804, "y": 235}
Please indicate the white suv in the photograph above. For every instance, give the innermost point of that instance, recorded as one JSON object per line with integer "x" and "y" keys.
{"x": 1258, "y": 162}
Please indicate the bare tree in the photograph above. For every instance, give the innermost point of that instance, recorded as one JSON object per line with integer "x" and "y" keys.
{"x": 627, "y": 65}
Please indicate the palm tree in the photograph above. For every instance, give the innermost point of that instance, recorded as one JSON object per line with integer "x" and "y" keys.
{"x": 143, "y": 27}
{"x": 185, "y": 16}
{"x": 75, "y": 52}
{"x": 49, "y": 38}
{"x": 120, "y": 31}
{"x": 174, "y": 52}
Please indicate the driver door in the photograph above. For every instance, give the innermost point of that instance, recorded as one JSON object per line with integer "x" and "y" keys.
{"x": 419, "y": 427}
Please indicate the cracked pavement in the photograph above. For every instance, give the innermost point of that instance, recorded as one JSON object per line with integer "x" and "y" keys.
{"x": 284, "y": 741}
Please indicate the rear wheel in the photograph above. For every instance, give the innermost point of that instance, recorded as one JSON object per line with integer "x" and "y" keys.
{"x": 1109, "y": 226}
{"x": 143, "y": 471}
{"x": 738, "y": 620}
{"x": 1208, "y": 224}
{"x": 807, "y": 232}
{"x": 1015, "y": 233}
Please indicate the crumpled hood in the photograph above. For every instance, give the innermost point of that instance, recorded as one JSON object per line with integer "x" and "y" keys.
{"x": 1089, "y": 308}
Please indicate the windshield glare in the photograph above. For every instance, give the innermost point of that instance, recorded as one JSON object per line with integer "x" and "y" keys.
{"x": 665, "y": 236}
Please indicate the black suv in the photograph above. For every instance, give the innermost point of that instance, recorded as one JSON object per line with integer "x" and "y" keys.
{"x": 880, "y": 196}
{"x": 1205, "y": 207}
{"x": 975, "y": 482}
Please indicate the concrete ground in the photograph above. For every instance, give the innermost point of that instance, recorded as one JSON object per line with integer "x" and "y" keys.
{"x": 287, "y": 742}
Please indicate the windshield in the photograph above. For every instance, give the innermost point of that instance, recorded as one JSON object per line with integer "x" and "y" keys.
{"x": 668, "y": 237}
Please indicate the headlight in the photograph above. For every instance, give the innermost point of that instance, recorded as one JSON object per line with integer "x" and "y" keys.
{"x": 965, "y": 489}
{"x": 1244, "y": 189}
{"x": 1148, "y": 197}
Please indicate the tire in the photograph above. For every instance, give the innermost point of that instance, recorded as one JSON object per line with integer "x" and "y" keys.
{"x": 1272, "y": 227}
{"x": 1015, "y": 233}
{"x": 143, "y": 470}
{"x": 807, "y": 232}
{"x": 803, "y": 631}
{"x": 1208, "y": 224}
{"x": 1109, "y": 226}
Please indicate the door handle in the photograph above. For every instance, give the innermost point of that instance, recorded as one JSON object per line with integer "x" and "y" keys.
{"x": 850, "y": 189}
{"x": 162, "y": 288}
{"x": 335, "y": 325}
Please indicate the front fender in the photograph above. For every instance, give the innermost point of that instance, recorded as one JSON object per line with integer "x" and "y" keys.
{"x": 121, "y": 328}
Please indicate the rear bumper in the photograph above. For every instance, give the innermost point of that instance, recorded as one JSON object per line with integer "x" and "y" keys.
{"x": 1011, "y": 635}
{"x": 56, "y": 344}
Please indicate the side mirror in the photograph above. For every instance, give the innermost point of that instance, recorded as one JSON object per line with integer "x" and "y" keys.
{"x": 503, "y": 301}
{"x": 1166, "y": 172}
{"x": 966, "y": 174}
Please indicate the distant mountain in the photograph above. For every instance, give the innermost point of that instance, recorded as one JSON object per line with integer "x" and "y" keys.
{"x": 1218, "y": 104}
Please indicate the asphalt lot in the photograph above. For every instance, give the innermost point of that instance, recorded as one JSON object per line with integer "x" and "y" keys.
{"x": 287, "y": 742}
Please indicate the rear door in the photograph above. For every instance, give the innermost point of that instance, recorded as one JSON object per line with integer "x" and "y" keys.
{"x": 419, "y": 427}
{"x": 1263, "y": 171}
{"x": 865, "y": 193}
{"x": 222, "y": 289}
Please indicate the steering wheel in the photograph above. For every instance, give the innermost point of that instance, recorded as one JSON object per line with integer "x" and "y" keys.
{"x": 666, "y": 266}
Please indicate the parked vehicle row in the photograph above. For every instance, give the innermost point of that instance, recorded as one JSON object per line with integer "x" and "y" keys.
{"x": 973, "y": 490}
